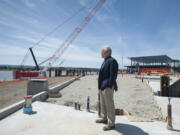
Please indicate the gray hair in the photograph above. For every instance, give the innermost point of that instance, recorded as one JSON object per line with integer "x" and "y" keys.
{"x": 107, "y": 48}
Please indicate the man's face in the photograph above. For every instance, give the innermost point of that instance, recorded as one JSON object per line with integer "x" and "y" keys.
{"x": 104, "y": 54}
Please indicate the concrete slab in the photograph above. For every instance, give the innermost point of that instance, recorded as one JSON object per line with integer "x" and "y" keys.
{"x": 157, "y": 78}
{"x": 56, "y": 119}
{"x": 175, "y": 103}
{"x": 155, "y": 86}
{"x": 163, "y": 102}
{"x": 132, "y": 96}
{"x": 148, "y": 77}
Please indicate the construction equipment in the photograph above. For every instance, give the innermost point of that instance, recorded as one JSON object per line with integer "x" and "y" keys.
{"x": 63, "y": 47}
{"x": 55, "y": 29}
{"x": 37, "y": 66}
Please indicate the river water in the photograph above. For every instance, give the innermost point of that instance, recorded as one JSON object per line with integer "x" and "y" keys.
{"x": 7, "y": 75}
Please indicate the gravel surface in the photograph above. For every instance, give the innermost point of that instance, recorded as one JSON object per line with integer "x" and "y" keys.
{"x": 13, "y": 92}
{"x": 133, "y": 96}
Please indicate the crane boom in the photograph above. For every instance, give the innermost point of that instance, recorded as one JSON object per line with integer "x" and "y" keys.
{"x": 63, "y": 47}
{"x": 37, "y": 67}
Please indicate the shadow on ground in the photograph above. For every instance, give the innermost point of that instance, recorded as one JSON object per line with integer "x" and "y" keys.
{"x": 176, "y": 130}
{"x": 127, "y": 129}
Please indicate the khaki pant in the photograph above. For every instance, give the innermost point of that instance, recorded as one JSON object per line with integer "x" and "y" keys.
{"x": 107, "y": 105}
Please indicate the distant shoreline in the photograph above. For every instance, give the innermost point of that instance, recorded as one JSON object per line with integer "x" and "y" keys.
{"x": 28, "y": 67}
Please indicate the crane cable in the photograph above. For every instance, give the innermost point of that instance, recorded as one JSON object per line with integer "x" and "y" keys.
{"x": 24, "y": 58}
{"x": 63, "y": 47}
{"x": 56, "y": 28}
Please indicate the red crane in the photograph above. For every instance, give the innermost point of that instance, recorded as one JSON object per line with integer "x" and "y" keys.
{"x": 63, "y": 47}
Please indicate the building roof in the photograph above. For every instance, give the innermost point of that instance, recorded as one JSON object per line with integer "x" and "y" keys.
{"x": 153, "y": 59}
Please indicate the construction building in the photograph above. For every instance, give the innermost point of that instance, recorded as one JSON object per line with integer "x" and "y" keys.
{"x": 161, "y": 64}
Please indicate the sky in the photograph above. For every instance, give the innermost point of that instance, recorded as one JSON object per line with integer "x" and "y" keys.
{"x": 130, "y": 27}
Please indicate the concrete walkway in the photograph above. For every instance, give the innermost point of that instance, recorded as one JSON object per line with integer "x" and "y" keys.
{"x": 60, "y": 120}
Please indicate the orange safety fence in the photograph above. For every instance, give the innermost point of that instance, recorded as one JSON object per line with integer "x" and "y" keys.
{"x": 11, "y": 81}
{"x": 1, "y": 82}
{"x": 154, "y": 70}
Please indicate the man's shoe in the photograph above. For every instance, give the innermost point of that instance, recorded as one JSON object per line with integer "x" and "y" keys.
{"x": 106, "y": 128}
{"x": 102, "y": 121}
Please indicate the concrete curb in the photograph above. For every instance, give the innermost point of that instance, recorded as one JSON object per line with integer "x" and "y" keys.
{"x": 15, "y": 107}
{"x": 62, "y": 85}
{"x": 42, "y": 96}
{"x": 163, "y": 110}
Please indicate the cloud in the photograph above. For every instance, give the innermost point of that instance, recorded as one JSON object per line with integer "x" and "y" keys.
{"x": 37, "y": 38}
{"x": 26, "y": 38}
{"x": 76, "y": 54}
{"x": 11, "y": 25}
{"x": 109, "y": 6}
{"x": 12, "y": 50}
{"x": 18, "y": 16}
{"x": 82, "y": 2}
{"x": 81, "y": 54}
{"x": 17, "y": 21}
{"x": 119, "y": 40}
{"x": 29, "y": 3}
{"x": 101, "y": 17}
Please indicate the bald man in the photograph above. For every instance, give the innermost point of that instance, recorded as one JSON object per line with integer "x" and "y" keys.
{"x": 107, "y": 84}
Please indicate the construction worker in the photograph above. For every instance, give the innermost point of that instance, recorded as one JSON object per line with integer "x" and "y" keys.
{"x": 107, "y": 84}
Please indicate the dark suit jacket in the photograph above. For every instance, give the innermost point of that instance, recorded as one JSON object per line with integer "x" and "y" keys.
{"x": 108, "y": 74}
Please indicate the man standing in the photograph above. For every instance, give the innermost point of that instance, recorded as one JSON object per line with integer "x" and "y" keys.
{"x": 107, "y": 84}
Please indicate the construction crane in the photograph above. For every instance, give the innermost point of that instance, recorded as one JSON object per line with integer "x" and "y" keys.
{"x": 63, "y": 47}
{"x": 30, "y": 50}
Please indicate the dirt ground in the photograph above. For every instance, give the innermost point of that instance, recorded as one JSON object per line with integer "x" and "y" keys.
{"x": 13, "y": 92}
{"x": 132, "y": 95}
